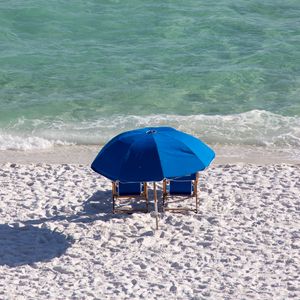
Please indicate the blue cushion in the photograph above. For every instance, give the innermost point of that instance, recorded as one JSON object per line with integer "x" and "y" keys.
{"x": 133, "y": 188}
{"x": 181, "y": 187}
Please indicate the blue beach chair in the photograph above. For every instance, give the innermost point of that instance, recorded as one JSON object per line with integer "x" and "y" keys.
{"x": 123, "y": 192}
{"x": 178, "y": 189}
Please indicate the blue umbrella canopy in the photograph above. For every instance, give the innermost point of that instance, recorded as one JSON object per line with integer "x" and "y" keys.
{"x": 152, "y": 154}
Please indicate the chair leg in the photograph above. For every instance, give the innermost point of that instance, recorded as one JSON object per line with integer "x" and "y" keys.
{"x": 114, "y": 205}
{"x": 164, "y": 202}
{"x": 196, "y": 204}
{"x": 147, "y": 204}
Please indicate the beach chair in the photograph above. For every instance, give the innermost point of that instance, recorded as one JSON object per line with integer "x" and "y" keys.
{"x": 178, "y": 189}
{"x": 123, "y": 192}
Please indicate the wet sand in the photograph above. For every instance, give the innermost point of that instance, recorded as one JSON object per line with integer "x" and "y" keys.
{"x": 86, "y": 154}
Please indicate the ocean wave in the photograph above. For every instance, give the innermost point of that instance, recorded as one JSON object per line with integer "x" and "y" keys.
{"x": 21, "y": 143}
{"x": 255, "y": 128}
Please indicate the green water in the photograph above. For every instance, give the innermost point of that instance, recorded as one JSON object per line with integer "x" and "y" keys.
{"x": 72, "y": 65}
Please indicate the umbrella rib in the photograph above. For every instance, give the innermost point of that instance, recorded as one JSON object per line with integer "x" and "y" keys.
{"x": 127, "y": 153}
{"x": 186, "y": 146}
{"x": 161, "y": 166}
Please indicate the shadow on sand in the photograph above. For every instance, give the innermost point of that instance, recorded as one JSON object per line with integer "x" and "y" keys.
{"x": 29, "y": 244}
{"x": 96, "y": 207}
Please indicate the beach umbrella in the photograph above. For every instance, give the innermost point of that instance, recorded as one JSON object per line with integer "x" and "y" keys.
{"x": 152, "y": 154}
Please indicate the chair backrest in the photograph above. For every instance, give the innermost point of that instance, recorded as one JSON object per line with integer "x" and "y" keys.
{"x": 129, "y": 188}
{"x": 183, "y": 185}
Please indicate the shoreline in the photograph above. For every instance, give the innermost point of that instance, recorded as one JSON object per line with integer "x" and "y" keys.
{"x": 85, "y": 154}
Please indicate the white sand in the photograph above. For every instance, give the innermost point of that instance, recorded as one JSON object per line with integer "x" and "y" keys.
{"x": 59, "y": 240}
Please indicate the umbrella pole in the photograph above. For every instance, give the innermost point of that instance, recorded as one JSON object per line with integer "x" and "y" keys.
{"x": 155, "y": 204}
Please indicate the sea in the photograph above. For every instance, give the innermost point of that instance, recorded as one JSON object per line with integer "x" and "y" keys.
{"x": 79, "y": 72}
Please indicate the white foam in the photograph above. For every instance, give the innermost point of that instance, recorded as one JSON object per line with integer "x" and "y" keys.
{"x": 10, "y": 142}
{"x": 257, "y": 128}
{"x": 254, "y": 128}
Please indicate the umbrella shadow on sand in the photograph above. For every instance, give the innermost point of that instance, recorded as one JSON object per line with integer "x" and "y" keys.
{"x": 27, "y": 245}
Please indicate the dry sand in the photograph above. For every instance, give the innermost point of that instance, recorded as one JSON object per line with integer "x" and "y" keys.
{"x": 59, "y": 239}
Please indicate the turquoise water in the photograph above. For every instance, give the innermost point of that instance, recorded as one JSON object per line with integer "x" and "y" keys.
{"x": 82, "y": 71}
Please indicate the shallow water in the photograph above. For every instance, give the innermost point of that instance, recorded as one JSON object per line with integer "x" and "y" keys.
{"x": 81, "y": 72}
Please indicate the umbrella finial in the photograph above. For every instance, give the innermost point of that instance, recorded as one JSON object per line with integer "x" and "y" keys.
{"x": 151, "y": 131}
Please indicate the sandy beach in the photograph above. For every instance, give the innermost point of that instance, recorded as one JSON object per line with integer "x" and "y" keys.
{"x": 59, "y": 239}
